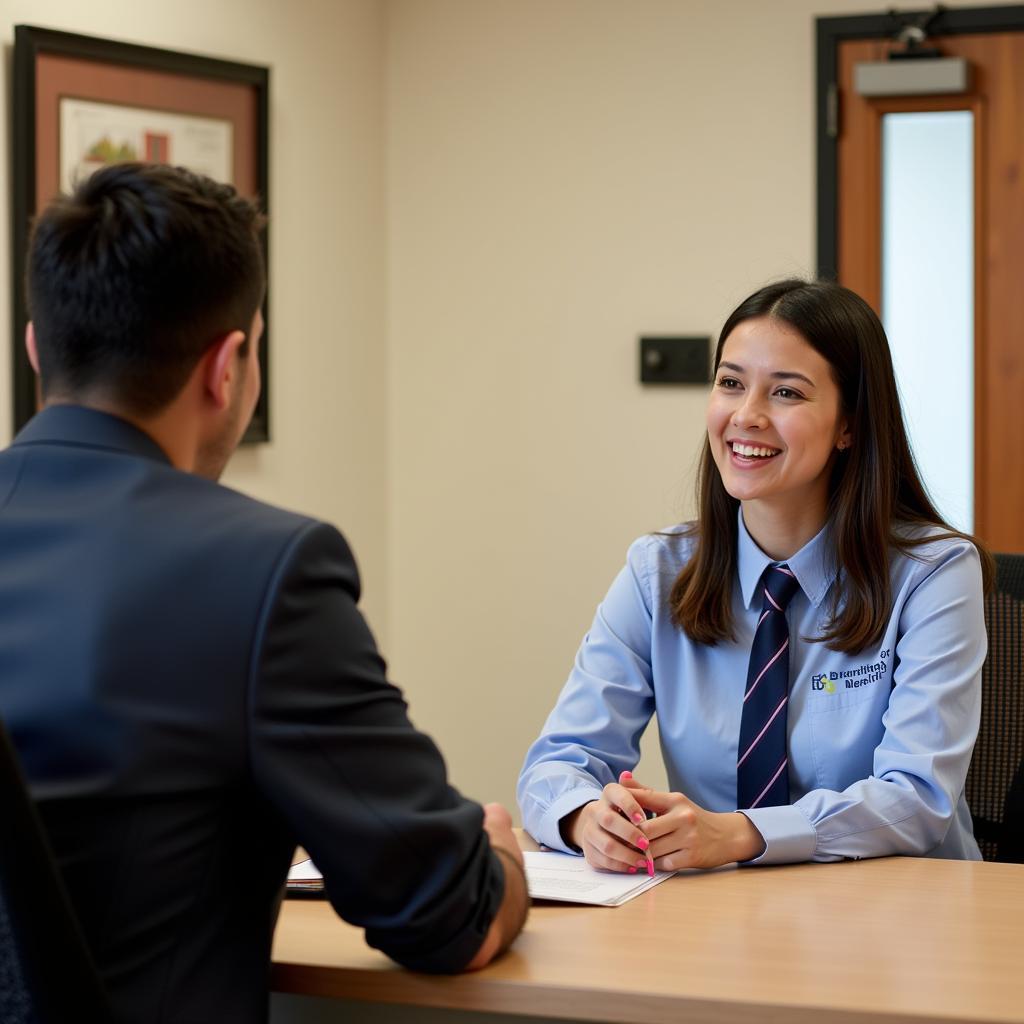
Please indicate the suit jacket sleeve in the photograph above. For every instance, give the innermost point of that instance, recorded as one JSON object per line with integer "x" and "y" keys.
{"x": 402, "y": 853}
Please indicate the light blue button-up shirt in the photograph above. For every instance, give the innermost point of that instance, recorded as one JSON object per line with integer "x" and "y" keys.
{"x": 879, "y": 741}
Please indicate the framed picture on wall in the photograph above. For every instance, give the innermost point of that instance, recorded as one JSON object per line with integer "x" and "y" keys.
{"x": 82, "y": 102}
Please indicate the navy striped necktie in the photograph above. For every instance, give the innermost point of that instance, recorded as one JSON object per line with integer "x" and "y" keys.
{"x": 762, "y": 779}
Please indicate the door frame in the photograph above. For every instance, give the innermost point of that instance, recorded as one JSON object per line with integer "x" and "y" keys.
{"x": 830, "y": 33}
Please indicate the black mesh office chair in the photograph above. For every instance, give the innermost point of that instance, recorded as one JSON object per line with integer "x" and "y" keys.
{"x": 995, "y": 782}
{"x": 15, "y": 1007}
{"x": 46, "y": 973}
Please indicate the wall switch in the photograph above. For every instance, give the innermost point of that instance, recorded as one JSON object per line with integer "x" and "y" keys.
{"x": 675, "y": 360}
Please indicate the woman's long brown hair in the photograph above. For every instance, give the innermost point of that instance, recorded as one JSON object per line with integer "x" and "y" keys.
{"x": 876, "y": 497}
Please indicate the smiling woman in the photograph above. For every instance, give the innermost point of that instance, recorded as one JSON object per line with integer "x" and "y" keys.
{"x": 816, "y": 552}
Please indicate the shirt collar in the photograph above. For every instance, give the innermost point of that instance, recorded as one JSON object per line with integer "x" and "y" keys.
{"x": 89, "y": 428}
{"x": 813, "y": 565}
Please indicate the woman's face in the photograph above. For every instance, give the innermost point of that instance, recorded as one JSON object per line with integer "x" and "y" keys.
{"x": 775, "y": 418}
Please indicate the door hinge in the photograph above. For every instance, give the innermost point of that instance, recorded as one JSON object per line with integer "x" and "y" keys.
{"x": 832, "y": 111}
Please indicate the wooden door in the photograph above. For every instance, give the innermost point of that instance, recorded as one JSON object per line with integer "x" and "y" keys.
{"x": 996, "y": 99}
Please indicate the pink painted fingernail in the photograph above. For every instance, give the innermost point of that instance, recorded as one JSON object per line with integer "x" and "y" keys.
{"x": 650, "y": 868}
{"x": 626, "y": 775}
{"x": 638, "y": 818}
{"x": 632, "y": 871}
{"x": 643, "y": 843}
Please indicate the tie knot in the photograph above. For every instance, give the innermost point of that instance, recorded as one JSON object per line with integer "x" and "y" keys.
{"x": 779, "y": 585}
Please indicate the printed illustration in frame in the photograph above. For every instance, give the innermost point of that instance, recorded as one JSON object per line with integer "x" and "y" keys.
{"x": 82, "y": 102}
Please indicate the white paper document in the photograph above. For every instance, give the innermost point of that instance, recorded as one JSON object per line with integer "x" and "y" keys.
{"x": 304, "y": 871}
{"x": 560, "y": 876}
{"x": 551, "y": 876}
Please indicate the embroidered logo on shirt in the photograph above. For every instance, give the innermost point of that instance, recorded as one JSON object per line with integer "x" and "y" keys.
{"x": 822, "y": 681}
{"x": 852, "y": 678}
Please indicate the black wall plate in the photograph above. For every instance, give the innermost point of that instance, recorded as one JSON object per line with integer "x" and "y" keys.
{"x": 675, "y": 360}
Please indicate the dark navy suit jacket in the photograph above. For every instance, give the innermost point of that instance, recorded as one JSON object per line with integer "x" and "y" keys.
{"x": 192, "y": 691}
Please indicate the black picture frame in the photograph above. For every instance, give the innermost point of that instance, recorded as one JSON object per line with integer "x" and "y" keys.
{"x": 195, "y": 75}
{"x": 830, "y": 32}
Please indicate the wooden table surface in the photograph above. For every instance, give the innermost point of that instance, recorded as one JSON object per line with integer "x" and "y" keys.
{"x": 894, "y": 939}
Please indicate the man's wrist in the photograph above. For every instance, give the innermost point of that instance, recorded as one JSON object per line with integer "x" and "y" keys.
{"x": 511, "y": 913}
{"x": 508, "y": 857}
{"x": 516, "y": 904}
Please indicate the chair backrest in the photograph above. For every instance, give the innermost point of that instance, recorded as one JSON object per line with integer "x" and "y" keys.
{"x": 42, "y": 955}
{"x": 995, "y": 782}
{"x": 15, "y": 1007}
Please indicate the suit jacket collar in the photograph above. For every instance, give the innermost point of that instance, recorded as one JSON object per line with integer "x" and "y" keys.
{"x": 89, "y": 428}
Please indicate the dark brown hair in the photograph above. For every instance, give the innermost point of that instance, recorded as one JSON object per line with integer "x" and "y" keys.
{"x": 876, "y": 498}
{"x": 134, "y": 275}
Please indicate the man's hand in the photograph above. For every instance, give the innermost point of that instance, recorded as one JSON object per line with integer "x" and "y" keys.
{"x": 498, "y": 826}
{"x": 511, "y": 915}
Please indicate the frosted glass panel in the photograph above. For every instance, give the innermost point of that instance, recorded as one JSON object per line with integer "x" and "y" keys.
{"x": 928, "y": 294}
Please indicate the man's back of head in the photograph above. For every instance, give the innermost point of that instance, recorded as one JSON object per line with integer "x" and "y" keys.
{"x": 132, "y": 277}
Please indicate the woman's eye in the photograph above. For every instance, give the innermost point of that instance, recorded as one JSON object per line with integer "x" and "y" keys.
{"x": 788, "y": 393}
{"x": 728, "y": 382}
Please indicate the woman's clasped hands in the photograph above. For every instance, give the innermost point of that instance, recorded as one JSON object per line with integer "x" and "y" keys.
{"x": 616, "y": 834}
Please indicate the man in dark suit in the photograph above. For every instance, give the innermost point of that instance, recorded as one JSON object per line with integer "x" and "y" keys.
{"x": 184, "y": 672}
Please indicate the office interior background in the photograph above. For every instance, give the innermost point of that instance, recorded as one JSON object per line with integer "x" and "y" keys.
{"x": 477, "y": 206}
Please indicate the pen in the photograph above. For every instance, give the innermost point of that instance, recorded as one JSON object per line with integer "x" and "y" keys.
{"x": 645, "y": 848}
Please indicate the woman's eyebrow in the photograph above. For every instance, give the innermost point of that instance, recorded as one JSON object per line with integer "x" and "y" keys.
{"x": 793, "y": 375}
{"x": 778, "y": 375}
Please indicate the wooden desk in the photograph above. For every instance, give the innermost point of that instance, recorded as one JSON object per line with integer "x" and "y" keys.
{"x": 891, "y": 940}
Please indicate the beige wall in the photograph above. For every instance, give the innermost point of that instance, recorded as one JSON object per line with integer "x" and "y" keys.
{"x": 328, "y": 456}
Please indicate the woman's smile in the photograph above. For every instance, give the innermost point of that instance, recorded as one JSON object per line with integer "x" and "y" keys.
{"x": 752, "y": 454}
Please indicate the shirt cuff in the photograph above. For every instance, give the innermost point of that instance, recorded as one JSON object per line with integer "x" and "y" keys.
{"x": 549, "y": 834}
{"x": 789, "y": 837}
